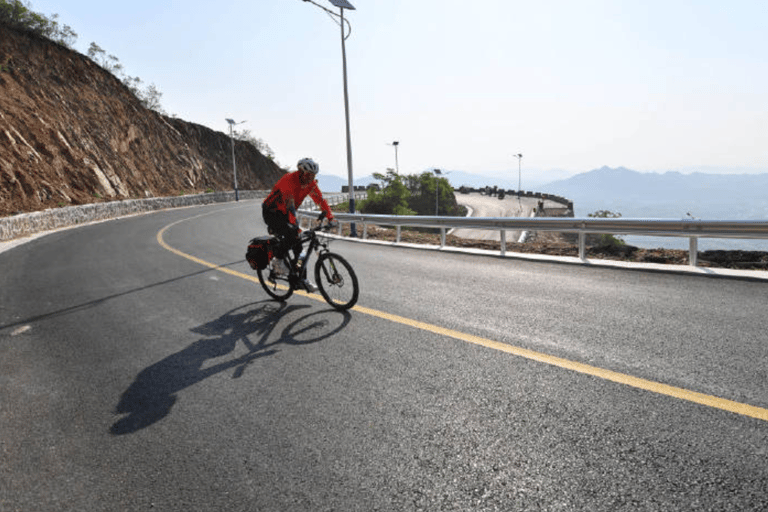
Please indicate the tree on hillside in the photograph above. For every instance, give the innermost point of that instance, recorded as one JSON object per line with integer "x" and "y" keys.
{"x": 17, "y": 14}
{"x": 391, "y": 200}
{"x": 427, "y": 190}
{"x": 415, "y": 194}
{"x": 259, "y": 144}
{"x": 108, "y": 62}
{"x": 149, "y": 97}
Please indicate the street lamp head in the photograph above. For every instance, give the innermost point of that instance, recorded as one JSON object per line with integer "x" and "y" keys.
{"x": 342, "y": 4}
{"x": 395, "y": 143}
{"x": 230, "y": 121}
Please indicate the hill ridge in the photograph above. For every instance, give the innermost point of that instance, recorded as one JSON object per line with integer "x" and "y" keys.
{"x": 74, "y": 134}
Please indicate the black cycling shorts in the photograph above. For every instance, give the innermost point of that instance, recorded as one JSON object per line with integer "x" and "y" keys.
{"x": 280, "y": 225}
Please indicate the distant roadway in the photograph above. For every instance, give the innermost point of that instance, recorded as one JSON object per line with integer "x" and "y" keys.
{"x": 492, "y": 206}
{"x": 143, "y": 368}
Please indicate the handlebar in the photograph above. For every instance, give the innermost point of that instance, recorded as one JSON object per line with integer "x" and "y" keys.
{"x": 319, "y": 227}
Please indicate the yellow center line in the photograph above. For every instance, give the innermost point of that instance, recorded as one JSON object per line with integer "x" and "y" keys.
{"x": 594, "y": 371}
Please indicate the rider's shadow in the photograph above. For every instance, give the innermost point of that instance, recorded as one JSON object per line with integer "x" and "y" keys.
{"x": 151, "y": 396}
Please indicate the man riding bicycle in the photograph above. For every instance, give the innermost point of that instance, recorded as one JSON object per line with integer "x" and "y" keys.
{"x": 279, "y": 208}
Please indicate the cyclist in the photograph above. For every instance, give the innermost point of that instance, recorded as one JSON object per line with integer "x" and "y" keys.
{"x": 279, "y": 208}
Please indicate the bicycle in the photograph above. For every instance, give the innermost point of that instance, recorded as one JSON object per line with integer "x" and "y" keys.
{"x": 335, "y": 277}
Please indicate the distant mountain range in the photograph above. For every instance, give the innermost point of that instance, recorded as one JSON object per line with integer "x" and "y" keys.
{"x": 670, "y": 195}
{"x": 667, "y": 195}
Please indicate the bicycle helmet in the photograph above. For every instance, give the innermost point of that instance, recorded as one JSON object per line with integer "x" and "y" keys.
{"x": 308, "y": 165}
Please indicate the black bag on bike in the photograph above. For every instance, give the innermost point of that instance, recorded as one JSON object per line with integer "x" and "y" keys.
{"x": 260, "y": 251}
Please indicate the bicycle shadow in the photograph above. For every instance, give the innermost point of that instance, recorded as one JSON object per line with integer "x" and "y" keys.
{"x": 154, "y": 391}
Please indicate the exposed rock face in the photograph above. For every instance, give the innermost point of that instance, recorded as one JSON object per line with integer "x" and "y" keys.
{"x": 72, "y": 133}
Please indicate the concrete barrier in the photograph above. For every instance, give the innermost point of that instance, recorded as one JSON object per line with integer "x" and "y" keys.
{"x": 26, "y": 224}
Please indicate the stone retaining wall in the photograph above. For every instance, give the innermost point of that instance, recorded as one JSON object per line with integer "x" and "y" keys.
{"x": 30, "y": 223}
{"x": 494, "y": 191}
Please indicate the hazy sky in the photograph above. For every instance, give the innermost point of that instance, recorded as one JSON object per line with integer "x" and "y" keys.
{"x": 571, "y": 84}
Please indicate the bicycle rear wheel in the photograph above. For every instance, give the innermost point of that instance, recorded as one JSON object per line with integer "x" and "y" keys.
{"x": 337, "y": 281}
{"x": 275, "y": 278}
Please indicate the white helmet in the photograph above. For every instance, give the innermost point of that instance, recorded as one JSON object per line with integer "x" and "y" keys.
{"x": 308, "y": 165}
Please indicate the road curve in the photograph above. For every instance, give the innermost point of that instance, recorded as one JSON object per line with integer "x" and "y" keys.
{"x": 491, "y": 206}
{"x": 142, "y": 368}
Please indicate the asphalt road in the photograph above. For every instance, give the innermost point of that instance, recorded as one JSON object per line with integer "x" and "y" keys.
{"x": 141, "y": 368}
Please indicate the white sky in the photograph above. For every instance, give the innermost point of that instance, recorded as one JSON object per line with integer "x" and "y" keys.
{"x": 573, "y": 85}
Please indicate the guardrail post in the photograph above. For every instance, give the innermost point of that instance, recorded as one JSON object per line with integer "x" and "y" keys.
{"x": 582, "y": 245}
{"x": 365, "y": 231}
{"x": 398, "y": 233}
{"x": 503, "y": 242}
{"x": 693, "y": 251}
{"x": 442, "y": 237}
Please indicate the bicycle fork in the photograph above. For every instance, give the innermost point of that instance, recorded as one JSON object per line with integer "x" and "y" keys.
{"x": 329, "y": 270}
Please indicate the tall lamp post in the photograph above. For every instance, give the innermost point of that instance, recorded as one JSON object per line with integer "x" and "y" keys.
{"x": 344, "y": 4}
{"x": 437, "y": 187}
{"x": 519, "y": 157}
{"x": 232, "y": 125}
{"x": 397, "y": 166}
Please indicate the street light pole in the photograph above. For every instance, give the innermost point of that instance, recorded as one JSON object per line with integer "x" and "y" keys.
{"x": 344, "y": 4}
{"x": 437, "y": 187}
{"x": 340, "y": 5}
{"x": 519, "y": 157}
{"x": 232, "y": 124}
{"x": 397, "y": 166}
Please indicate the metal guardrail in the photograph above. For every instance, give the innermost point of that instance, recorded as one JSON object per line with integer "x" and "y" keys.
{"x": 686, "y": 228}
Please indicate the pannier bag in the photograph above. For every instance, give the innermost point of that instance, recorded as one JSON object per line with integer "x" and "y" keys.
{"x": 260, "y": 251}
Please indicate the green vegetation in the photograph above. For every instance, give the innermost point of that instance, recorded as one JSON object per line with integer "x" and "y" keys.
{"x": 344, "y": 207}
{"x": 259, "y": 144}
{"x": 149, "y": 97}
{"x": 607, "y": 240}
{"x": 415, "y": 194}
{"x": 17, "y": 14}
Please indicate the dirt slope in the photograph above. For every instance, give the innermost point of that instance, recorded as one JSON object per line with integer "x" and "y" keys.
{"x": 72, "y": 133}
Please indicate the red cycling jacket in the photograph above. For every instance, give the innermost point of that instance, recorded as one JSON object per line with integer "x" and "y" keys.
{"x": 289, "y": 186}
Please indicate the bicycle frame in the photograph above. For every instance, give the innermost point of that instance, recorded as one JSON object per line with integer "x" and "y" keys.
{"x": 315, "y": 245}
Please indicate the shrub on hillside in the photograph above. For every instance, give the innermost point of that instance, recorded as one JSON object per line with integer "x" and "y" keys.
{"x": 17, "y": 14}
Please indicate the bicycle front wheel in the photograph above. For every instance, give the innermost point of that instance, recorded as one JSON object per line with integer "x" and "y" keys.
{"x": 275, "y": 278}
{"x": 337, "y": 281}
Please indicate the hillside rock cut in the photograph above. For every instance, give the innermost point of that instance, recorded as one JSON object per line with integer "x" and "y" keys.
{"x": 72, "y": 133}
